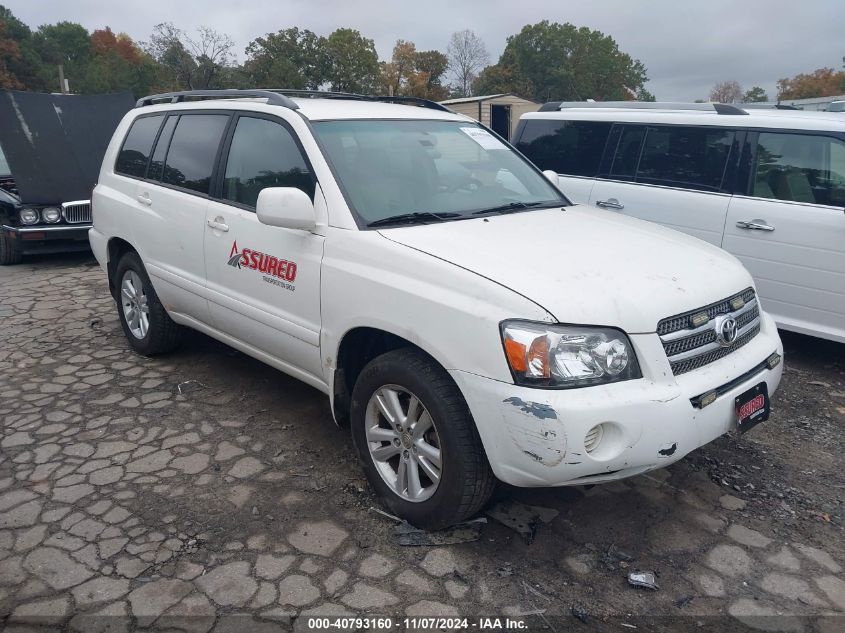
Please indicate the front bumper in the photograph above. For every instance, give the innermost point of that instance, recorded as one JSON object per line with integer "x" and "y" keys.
{"x": 535, "y": 437}
{"x": 54, "y": 238}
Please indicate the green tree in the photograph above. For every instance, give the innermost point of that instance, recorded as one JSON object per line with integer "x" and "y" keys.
{"x": 352, "y": 62}
{"x": 645, "y": 95}
{"x": 25, "y": 64}
{"x": 66, "y": 44}
{"x": 430, "y": 67}
{"x": 550, "y": 61}
{"x": 116, "y": 64}
{"x": 191, "y": 63}
{"x": 289, "y": 58}
{"x": 755, "y": 95}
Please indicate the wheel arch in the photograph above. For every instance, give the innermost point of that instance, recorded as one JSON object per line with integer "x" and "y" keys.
{"x": 117, "y": 248}
{"x": 357, "y": 347}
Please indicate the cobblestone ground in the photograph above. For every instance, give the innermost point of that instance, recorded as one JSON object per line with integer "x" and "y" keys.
{"x": 206, "y": 491}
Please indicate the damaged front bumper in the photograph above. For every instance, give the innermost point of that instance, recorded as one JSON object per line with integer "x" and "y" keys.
{"x": 536, "y": 437}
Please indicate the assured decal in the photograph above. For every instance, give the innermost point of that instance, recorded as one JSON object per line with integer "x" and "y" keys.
{"x": 274, "y": 270}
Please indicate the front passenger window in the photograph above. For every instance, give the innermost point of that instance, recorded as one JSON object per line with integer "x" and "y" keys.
{"x": 800, "y": 168}
{"x": 263, "y": 154}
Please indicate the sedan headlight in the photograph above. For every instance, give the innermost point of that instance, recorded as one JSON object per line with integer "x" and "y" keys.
{"x": 51, "y": 215}
{"x": 566, "y": 356}
{"x": 28, "y": 216}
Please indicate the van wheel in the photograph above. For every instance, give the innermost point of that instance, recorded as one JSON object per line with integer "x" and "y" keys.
{"x": 146, "y": 324}
{"x": 417, "y": 440}
{"x": 10, "y": 250}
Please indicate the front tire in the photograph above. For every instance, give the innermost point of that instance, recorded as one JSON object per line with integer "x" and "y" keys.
{"x": 10, "y": 250}
{"x": 146, "y": 324}
{"x": 417, "y": 440}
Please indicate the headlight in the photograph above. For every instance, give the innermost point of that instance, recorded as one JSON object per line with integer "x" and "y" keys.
{"x": 566, "y": 356}
{"x": 29, "y": 216}
{"x": 51, "y": 215}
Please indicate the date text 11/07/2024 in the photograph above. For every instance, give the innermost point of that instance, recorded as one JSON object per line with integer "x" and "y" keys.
{"x": 418, "y": 623}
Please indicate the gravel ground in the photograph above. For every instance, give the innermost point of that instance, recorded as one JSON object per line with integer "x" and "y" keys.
{"x": 205, "y": 491}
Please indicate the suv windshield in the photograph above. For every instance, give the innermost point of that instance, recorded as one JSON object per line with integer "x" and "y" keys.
{"x": 429, "y": 171}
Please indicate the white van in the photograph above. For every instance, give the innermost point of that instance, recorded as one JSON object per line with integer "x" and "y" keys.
{"x": 766, "y": 185}
{"x": 463, "y": 317}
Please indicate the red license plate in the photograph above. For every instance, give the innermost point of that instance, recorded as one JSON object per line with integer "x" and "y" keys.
{"x": 752, "y": 407}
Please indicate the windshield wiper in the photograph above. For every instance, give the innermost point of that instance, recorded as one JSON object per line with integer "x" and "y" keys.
{"x": 417, "y": 217}
{"x": 510, "y": 207}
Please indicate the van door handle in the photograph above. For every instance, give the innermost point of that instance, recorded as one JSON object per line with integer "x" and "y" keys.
{"x": 755, "y": 224}
{"x": 610, "y": 203}
{"x": 144, "y": 198}
{"x": 218, "y": 224}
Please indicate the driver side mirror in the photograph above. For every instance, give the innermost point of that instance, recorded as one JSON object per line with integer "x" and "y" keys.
{"x": 286, "y": 207}
{"x": 551, "y": 176}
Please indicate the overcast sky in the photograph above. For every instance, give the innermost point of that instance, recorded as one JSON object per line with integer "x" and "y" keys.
{"x": 686, "y": 46}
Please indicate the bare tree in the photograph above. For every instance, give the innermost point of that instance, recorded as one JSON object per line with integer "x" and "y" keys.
{"x": 467, "y": 57}
{"x": 194, "y": 63}
{"x": 726, "y": 92}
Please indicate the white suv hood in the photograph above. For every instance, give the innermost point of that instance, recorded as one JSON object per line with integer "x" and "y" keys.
{"x": 585, "y": 265}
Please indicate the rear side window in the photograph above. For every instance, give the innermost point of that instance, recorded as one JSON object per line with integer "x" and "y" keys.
{"x": 160, "y": 151}
{"x": 694, "y": 158}
{"x": 263, "y": 154}
{"x": 193, "y": 150}
{"x": 133, "y": 156}
{"x": 566, "y": 147}
{"x": 800, "y": 168}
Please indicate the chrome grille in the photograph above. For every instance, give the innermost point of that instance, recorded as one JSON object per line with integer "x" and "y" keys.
{"x": 77, "y": 212}
{"x": 682, "y": 321}
{"x": 689, "y": 347}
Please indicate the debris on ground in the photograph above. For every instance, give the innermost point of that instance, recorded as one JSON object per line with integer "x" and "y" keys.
{"x": 409, "y": 536}
{"x": 505, "y": 570}
{"x": 643, "y": 579}
{"x": 392, "y": 517}
{"x": 522, "y": 518}
{"x": 579, "y": 612}
{"x": 189, "y": 386}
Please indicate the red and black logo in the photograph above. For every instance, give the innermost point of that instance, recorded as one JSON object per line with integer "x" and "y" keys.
{"x": 268, "y": 265}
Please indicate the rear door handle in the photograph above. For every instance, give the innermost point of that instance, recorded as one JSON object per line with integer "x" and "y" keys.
{"x": 218, "y": 224}
{"x": 144, "y": 198}
{"x": 755, "y": 225}
{"x": 610, "y": 203}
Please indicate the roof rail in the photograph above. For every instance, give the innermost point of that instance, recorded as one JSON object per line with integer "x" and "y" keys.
{"x": 769, "y": 106}
{"x": 273, "y": 98}
{"x": 281, "y": 97}
{"x": 322, "y": 94}
{"x": 719, "y": 108}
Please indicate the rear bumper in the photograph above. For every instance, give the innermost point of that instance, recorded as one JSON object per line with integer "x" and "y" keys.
{"x": 46, "y": 239}
{"x": 536, "y": 437}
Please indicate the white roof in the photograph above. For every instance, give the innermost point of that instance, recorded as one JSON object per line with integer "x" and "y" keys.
{"x": 316, "y": 109}
{"x": 787, "y": 119}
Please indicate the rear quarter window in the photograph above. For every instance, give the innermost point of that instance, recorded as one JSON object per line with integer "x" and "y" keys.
{"x": 567, "y": 147}
{"x": 135, "y": 152}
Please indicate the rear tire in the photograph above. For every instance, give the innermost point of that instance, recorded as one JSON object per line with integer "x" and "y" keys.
{"x": 10, "y": 250}
{"x": 146, "y": 324}
{"x": 464, "y": 480}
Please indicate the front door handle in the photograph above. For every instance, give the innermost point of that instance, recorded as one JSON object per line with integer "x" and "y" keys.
{"x": 144, "y": 198}
{"x": 610, "y": 203}
{"x": 755, "y": 225}
{"x": 218, "y": 224}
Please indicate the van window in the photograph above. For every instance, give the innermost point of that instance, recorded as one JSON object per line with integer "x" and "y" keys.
{"x": 627, "y": 153}
{"x": 193, "y": 149}
{"x": 566, "y": 147}
{"x": 800, "y": 168}
{"x": 263, "y": 154}
{"x": 133, "y": 156}
{"x": 688, "y": 157}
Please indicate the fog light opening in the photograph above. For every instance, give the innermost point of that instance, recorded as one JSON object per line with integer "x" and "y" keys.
{"x": 593, "y": 438}
{"x": 773, "y": 360}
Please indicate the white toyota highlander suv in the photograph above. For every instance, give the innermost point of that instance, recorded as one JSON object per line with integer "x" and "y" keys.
{"x": 466, "y": 320}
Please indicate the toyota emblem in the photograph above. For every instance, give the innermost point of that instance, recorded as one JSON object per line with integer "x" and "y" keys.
{"x": 725, "y": 330}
